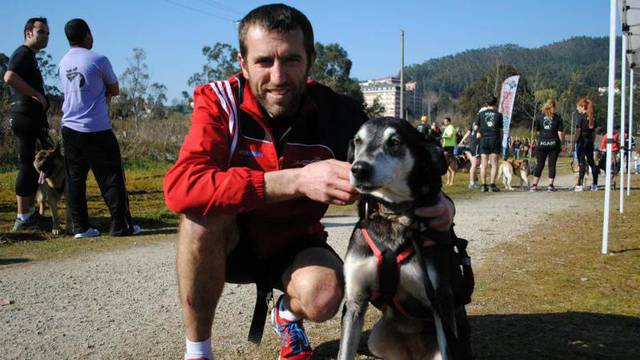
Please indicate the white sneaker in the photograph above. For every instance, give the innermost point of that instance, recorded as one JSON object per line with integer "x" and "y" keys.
{"x": 91, "y": 232}
{"x": 577, "y": 188}
{"x": 136, "y": 230}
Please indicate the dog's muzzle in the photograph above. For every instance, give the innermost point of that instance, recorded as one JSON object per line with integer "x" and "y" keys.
{"x": 362, "y": 171}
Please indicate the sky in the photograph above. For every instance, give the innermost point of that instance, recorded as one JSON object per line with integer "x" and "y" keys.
{"x": 173, "y": 32}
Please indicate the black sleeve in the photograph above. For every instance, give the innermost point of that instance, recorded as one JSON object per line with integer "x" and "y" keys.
{"x": 476, "y": 120}
{"x": 560, "y": 124}
{"x": 579, "y": 122}
{"x": 500, "y": 121}
{"x": 19, "y": 60}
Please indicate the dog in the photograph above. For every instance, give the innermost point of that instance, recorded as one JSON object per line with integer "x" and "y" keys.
{"x": 575, "y": 169}
{"x": 511, "y": 167}
{"x": 397, "y": 169}
{"x": 452, "y": 167}
{"x": 52, "y": 181}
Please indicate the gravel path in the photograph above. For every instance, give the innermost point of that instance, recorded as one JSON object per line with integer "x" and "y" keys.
{"x": 123, "y": 304}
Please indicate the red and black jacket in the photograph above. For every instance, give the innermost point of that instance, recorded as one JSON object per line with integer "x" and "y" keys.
{"x": 229, "y": 147}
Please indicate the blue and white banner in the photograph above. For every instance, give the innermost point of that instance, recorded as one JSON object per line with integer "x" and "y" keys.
{"x": 507, "y": 99}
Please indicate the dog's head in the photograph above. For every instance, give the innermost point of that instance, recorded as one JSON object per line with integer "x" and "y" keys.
{"x": 520, "y": 164}
{"x": 394, "y": 163}
{"x": 47, "y": 160}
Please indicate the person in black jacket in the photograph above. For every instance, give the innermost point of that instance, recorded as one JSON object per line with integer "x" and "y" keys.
{"x": 585, "y": 128}
{"x": 28, "y": 117}
{"x": 489, "y": 122}
{"x": 550, "y": 133}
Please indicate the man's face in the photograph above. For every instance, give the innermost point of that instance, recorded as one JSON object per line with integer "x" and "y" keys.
{"x": 38, "y": 37}
{"x": 276, "y": 66}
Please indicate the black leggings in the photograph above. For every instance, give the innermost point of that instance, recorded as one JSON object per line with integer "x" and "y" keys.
{"x": 542, "y": 153}
{"x": 28, "y": 130}
{"x": 584, "y": 151}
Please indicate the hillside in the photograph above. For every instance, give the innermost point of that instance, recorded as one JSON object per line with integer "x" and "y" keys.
{"x": 547, "y": 66}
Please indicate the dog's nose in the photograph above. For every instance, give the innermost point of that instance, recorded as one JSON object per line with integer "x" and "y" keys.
{"x": 361, "y": 170}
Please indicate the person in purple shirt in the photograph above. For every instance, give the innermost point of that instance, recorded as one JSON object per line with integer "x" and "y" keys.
{"x": 88, "y": 83}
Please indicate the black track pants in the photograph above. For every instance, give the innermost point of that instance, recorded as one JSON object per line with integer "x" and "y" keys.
{"x": 100, "y": 152}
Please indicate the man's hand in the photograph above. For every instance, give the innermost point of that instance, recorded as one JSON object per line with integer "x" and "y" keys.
{"x": 327, "y": 182}
{"x": 440, "y": 215}
{"x": 41, "y": 99}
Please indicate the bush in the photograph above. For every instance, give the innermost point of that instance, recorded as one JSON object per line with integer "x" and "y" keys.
{"x": 153, "y": 140}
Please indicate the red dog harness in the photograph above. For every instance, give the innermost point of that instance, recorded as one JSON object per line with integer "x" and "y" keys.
{"x": 389, "y": 263}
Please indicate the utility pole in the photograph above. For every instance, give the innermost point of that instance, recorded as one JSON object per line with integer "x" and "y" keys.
{"x": 402, "y": 78}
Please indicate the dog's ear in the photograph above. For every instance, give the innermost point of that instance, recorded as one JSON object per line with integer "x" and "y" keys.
{"x": 351, "y": 151}
{"x": 435, "y": 156}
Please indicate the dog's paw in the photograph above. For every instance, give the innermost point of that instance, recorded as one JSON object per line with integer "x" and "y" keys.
{"x": 57, "y": 232}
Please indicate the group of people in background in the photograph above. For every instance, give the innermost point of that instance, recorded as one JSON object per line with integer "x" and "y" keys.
{"x": 481, "y": 145}
{"x": 88, "y": 82}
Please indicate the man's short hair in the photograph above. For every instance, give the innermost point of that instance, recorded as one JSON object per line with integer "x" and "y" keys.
{"x": 31, "y": 23}
{"x": 76, "y": 31}
{"x": 278, "y": 18}
{"x": 491, "y": 100}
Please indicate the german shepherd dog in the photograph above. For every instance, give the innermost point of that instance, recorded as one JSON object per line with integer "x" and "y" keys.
{"x": 455, "y": 163}
{"x": 397, "y": 170}
{"x": 50, "y": 165}
{"x": 511, "y": 167}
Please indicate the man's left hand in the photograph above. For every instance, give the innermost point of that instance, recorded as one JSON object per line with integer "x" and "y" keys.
{"x": 440, "y": 216}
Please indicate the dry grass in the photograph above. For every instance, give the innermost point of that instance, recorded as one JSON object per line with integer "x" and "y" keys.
{"x": 553, "y": 295}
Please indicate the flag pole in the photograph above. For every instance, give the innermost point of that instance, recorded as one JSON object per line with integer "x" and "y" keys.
{"x": 610, "y": 105}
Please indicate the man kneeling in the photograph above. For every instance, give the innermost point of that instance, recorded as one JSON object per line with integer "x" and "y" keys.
{"x": 263, "y": 159}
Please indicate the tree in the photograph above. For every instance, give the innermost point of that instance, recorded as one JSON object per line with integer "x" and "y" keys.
{"x": 332, "y": 68}
{"x": 4, "y": 89}
{"x": 135, "y": 80}
{"x": 221, "y": 63}
{"x": 473, "y": 96}
{"x": 49, "y": 71}
{"x": 375, "y": 110}
{"x": 156, "y": 98}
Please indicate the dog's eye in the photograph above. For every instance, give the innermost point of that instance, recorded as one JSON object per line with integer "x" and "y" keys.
{"x": 393, "y": 141}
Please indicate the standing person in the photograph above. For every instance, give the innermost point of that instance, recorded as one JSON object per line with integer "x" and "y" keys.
{"x": 436, "y": 133}
{"x": 615, "y": 154}
{"x": 473, "y": 153}
{"x": 448, "y": 136}
{"x": 517, "y": 144}
{"x": 263, "y": 159}
{"x": 489, "y": 122}
{"x": 28, "y": 118}
{"x": 423, "y": 128}
{"x": 88, "y": 83}
{"x": 549, "y": 128}
{"x": 585, "y": 128}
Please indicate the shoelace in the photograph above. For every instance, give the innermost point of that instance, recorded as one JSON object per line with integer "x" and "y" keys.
{"x": 292, "y": 334}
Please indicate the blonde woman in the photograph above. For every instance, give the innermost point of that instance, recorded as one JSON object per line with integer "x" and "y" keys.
{"x": 550, "y": 133}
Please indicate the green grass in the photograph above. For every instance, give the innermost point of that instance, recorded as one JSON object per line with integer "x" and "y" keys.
{"x": 144, "y": 183}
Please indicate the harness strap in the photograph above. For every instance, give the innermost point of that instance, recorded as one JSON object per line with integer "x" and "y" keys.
{"x": 388, "y": 266}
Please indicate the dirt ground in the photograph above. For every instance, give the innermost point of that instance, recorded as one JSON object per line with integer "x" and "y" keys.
{"x": 123, "y": 303}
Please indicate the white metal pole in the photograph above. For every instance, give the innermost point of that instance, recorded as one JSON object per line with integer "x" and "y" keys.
{"x": 631, "y": 81}
{"x": 610, "y": 106}
{"x": 623, "y": 109}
